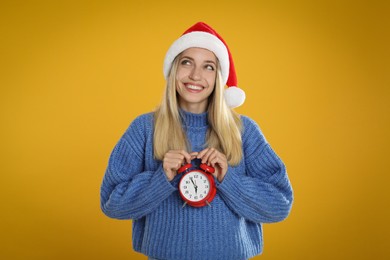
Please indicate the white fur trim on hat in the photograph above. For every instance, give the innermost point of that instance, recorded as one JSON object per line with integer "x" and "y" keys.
{"x": 234, "y": 96}
{"x": 199, "y": 40}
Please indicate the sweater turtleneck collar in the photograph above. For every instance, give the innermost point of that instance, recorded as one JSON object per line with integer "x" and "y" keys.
{"x": 192, "y": 119}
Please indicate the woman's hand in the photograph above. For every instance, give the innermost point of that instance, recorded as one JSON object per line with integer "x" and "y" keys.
{"x": 216, "y": 159}
{"x": 174, "y": 159}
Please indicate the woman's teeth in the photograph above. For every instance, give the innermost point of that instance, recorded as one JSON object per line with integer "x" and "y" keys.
{"x": 194, "y": 87}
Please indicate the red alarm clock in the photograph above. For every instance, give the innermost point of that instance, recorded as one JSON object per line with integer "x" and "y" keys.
{"x": 197, "y": 186}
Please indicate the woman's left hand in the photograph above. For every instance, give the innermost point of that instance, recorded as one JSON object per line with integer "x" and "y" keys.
{"x": 216, "y": 159}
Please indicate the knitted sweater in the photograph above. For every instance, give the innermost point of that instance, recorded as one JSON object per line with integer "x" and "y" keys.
{"x": 254, "y": 192}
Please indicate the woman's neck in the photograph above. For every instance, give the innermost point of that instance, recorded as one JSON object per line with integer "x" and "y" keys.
{"x": 194, "y": 108}
{"x": 194, "y": 119}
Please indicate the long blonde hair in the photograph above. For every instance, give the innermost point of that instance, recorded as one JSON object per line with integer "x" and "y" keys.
{"x": 224, "y": 131}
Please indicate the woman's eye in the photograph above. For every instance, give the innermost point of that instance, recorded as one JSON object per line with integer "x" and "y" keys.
{"x": 185, "y": 62}
{"x": 209, "y": 67}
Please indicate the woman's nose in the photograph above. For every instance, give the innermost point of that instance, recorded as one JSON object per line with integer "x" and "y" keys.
{"x": 195, "y": 74}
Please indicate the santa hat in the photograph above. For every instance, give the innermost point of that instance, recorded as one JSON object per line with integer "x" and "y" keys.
{"x": 203, "y": 36}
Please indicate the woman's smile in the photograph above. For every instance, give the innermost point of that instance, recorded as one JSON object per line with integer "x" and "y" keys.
{"x": 193, "y": 88}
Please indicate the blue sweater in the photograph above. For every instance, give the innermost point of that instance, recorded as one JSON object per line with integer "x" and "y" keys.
{"x": 254, "y": 192}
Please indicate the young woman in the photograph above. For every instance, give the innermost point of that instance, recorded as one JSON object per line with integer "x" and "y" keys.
{"x": 195, "y": 122}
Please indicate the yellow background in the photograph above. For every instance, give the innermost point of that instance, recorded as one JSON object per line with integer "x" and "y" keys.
{"x": 74, "y": 74}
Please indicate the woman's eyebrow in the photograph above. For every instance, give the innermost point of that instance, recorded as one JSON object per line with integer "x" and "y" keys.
{"x": 186, "y": 57}
{"x": 206, "y": 61}
{"x": 210, "y": 61}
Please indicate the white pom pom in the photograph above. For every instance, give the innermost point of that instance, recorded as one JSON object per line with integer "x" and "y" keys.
{"x": 234, "y": 96}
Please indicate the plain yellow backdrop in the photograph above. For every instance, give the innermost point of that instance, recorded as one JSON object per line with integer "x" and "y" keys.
{"x": 74, "y": 74}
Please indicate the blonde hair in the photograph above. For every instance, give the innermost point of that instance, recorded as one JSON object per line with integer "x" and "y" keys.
{"x": 224, "y": 131}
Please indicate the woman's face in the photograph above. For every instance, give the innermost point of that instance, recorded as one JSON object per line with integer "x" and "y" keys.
{"x": 195, "y": 79}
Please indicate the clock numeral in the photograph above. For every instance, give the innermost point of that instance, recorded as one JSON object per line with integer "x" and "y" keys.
{"x": 206, "y": 186}
{"x": 186, "y": 192}
{"x": 187, "y": 182}
{"x": 196, "y": 176}
{"x": 184, "y": 187}
{"x": 196, "y": 197}
{"x": 201, "y": 195}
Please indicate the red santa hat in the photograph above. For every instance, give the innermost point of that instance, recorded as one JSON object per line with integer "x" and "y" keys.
{"x": 202, "y": 35}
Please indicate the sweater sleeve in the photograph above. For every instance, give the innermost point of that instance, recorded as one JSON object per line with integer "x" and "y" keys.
{"x": 261, "y": 191}
{"x": 128, "y": 191}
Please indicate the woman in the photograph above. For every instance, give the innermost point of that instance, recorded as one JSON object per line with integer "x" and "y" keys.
{"x": 195, "y": 121}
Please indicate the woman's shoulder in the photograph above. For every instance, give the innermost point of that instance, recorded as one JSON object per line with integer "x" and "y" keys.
{"x": 145, "y": 118}
{"x": 143, "y": 123}
{"x": 248, "y": 123}
{"x": 250, "y": 127}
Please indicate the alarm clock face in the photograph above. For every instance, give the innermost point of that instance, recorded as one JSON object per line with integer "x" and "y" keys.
{"x": 194, "y": 186}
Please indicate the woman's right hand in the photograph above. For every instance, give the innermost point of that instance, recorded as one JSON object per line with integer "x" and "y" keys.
{"x": 174, "y": 159}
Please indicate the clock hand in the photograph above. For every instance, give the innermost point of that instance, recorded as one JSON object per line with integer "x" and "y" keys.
{"x": 194, "y": 183}
{"x": 195, "y": 186}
